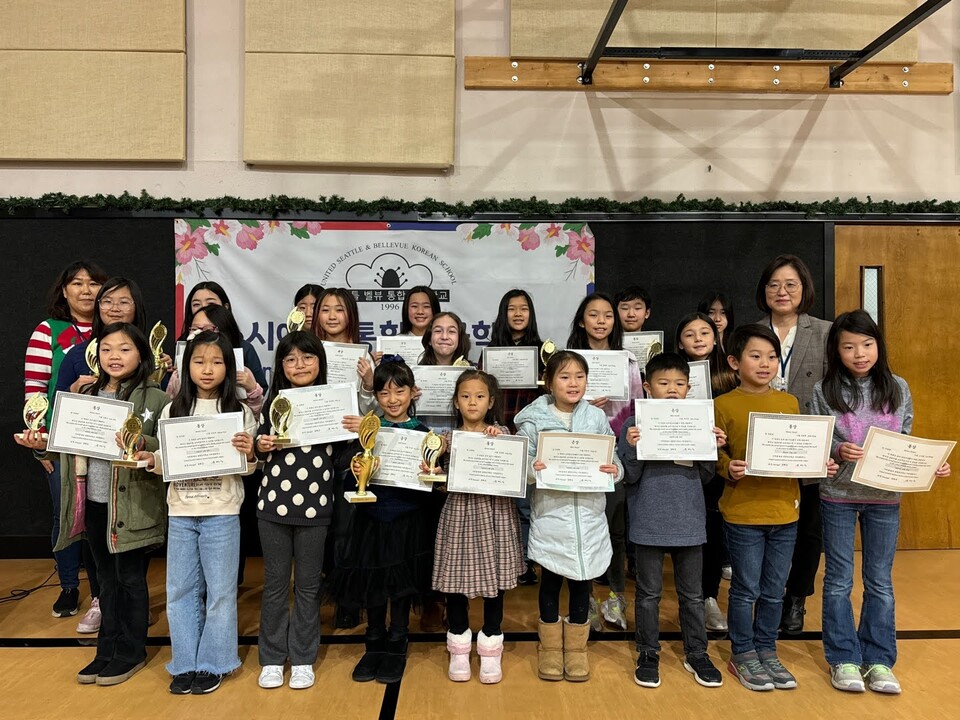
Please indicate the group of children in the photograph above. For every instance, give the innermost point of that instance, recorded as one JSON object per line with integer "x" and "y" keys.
{"x": 390, "y": 555}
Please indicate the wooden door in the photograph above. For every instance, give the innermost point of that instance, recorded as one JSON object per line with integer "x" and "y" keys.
{"x": 921, "y": 323}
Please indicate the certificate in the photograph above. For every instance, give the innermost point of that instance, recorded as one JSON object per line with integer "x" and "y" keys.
{"x": 182, "y": 345}
{"x": 342, "y": 359}
{"x": 788, "y": 446}
{"x": 676, "y": 430}
{"x": 640, "y": 343}
{"x": 573, "y": 461}
{"x": 513, "y": 367}
{"x": 609, "y": 374}
{"x": 436, "y": 383}
{"x": 409, "y": 347}
{"x": 200, "y": 446}
{"x": 484, "y": 465}
{"x": 87, "y": 425}
{"x": 318, "y": 411}
{"x": 900, "y": 463}
{"x": 399, "y": 454}
{"x": 700, "y": 387}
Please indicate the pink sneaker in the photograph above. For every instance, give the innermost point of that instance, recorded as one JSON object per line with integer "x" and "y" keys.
{"x": 90, "y": 623}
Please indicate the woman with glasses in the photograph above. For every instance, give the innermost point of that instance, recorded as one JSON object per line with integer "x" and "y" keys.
{"x": 785, "y": 294}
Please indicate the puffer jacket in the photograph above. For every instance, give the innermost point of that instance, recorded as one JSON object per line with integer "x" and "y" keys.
{"x": 568, "y": 530}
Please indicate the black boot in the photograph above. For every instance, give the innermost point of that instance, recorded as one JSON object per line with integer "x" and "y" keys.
{"x": 394, "y": 661}
{"x": 369, "y": 665}
{"x": 791, "y": 621}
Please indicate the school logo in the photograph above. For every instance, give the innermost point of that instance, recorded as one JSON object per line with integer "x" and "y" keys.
{"x": 387, "y": 277}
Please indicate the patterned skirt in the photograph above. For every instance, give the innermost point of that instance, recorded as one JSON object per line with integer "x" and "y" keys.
{"x": 478, "y": 550}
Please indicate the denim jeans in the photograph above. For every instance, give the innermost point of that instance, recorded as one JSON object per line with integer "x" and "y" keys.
{"x": 875, "y": 641}
{"x": 202, "y": 560}
{"x": 760, "y": 557}
{"x": 68, "y": 559}
{"x": 686, "y": 577}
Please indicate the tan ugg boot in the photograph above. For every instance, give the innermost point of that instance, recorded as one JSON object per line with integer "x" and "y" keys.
{"x": 550, "y": 650}
{"x": 576, "y": 667}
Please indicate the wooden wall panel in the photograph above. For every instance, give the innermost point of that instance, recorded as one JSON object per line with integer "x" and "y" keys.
{"x": 374, "y": 27}
{"x": 66, "y": 105}
{"x": 157, "y": 25}
{"x": 355, "y": 110}
{"x": 920, "y": 291}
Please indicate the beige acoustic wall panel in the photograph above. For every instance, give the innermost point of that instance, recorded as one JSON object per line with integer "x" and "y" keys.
{"x": 349, "y": 110}
{"x": 567, "y": 28}
{"x": 372, "y": 27}
{"x": 816, "y": 24}
{"x": 157, "y": 25}
{"x": 78, "y": 105}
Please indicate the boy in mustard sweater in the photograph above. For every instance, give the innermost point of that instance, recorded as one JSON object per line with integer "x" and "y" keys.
{"x": 759, "y": 514}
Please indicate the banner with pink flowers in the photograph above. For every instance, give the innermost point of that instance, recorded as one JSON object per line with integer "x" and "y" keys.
{"x": 261, "y": 264}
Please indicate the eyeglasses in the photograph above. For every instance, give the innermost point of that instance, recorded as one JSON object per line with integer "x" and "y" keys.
{"x": 790, "y": 286}
{"x": 294, "y": 360}
{"x": 123, "y": 304}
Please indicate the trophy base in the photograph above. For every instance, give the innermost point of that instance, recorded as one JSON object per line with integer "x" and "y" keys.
{"x": 284, "y": 442}
{"x": 438, "y": 478}
{"x": 21, "y": 436}
{"x": 367, "y": 497}
{"x": 130, "y": 463}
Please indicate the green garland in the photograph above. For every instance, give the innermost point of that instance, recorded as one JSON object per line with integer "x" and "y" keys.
{"x": 277, "y": 205}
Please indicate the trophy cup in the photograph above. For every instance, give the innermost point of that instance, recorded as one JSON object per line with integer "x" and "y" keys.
{"x": 461, "y": 362}
{"x": 368, "y": 462}
{"x": 547, "y": 350}
{"x": 129, "y": 437}
{"x": 281, "y": 413}
{"x": 430, "y": 450}
{"x": 157, "y": 335}
{"x": 655, "y": 349}
{"x": 92, "y": 358}
{"x": 34, "y": 413}
{"x": 296, "y": 320}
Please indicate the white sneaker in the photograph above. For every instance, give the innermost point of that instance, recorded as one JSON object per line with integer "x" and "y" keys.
{"x": 713, "y": 617}
{"x": 271, "y": 676}
{"x": 614, "y": 609}
{"x": 881, "y": 679}
{"x": 301, "y": 677}
{"x": 90, "y": 623}
{"x": 846, "y": 677}
{"x": 726, "y": 572}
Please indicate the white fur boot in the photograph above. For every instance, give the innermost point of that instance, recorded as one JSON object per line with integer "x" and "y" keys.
{"x": 459, "y": 647}
{"x": 490, "y": 649}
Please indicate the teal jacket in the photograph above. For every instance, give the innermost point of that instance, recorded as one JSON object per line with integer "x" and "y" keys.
{"x": 137, "y": 509}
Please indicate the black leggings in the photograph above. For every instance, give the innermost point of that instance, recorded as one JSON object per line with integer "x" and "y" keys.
{"x": 399, "y": 619}
{"x": 458, "y": 614}
{"x": 550, "y": 584}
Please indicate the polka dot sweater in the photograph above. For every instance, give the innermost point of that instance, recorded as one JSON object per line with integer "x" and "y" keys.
{"x": 297, "y": 483}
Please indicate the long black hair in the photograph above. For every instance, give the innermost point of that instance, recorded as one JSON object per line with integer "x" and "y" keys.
{"x": 886, "y": 396}
{"x": 405, "y": 325}
{"x": 501, "y": 334}
{"x": 57, "y": 306}
{"x": 722, "y": 377}
{"x": 579, "y": 340}
{"x": 306, "y": 342}
{"x": 186, "y": 398}
{"x": 494, "y": 415}
{"x": 707, "y": 301}
{"x": 222, "y": 318}
{"x": 139, "y": 311}
{"x": 215, "y": 288}
{"x": 139, "y": 377}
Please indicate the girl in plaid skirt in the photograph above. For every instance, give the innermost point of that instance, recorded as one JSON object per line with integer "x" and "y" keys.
{"x": 478, "y": 551}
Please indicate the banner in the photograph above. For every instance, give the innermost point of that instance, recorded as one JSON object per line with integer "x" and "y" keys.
{"x": 261, "y": 264}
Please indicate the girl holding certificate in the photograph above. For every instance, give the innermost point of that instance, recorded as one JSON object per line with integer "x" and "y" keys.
{"x": 386, "y": 556}
{"x": 477, "y": 552}
{"x": 294, "y": 513}
{"x": 119, "y": 511}
{"x": 203, "y": 544}
{"x": 336, "y": 318}
{"x": 444, "y": 342}
{"x": 860, "y": 391}
{"x": 569, "y": 536}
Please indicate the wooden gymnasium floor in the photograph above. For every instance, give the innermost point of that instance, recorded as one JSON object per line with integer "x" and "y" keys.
{"x": 39, "y": 656}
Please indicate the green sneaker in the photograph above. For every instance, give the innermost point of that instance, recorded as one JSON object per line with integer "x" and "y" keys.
{"x": 846, "y": 676}
{"x": 881, "y": 679}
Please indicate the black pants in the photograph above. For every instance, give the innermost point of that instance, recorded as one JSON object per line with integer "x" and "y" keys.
{"x": 806, "y": 553}
{"x": 458, "y": 614}
{"x": 90, "y": 565}
{"x": 399, "y": 620}
{"x": 550, "y": 584}
{"x": 124, "y": 598}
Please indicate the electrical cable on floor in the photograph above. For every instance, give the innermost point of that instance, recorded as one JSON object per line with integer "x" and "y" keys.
{"x": 21, "y": 593}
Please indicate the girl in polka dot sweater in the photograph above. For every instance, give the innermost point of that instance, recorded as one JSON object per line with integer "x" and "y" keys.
{"x": 294, "y": 512}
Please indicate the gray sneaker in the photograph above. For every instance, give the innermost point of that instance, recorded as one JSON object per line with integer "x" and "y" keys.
{"x": 846, "y": 676}
{"x": 750, "y": 671}
{"x": 782, "y": 678}
{"x": 881, "y": 679}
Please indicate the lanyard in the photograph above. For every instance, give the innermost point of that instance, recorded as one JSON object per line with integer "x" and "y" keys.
{"x": 784, "y": 361}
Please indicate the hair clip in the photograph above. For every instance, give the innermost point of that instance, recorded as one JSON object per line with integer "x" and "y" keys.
{"x": 392, "y": 359}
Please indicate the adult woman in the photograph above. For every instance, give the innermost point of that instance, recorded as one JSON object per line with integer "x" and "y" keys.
{"x": 70, "y": 307}
{"x": 784, "y": 294}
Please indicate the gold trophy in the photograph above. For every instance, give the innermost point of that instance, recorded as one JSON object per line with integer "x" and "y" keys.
{"x": 461, "y": 362}
{"x": 157, "y": 335}
{"x": 368, "y": 462}
{"x": 92, "y": 358}
{"x": 296, "y": 320}
{"x": 655, "y": 349}
{"x": 34, "y": 413}
{"x": 130, "y": 437}
{"x": 430, "y": 450}
{"x": 281, "y": 413}
{"x": 547, "y": 350}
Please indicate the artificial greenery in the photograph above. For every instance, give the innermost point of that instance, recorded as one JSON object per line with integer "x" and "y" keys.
{"x": 277, "y": 205}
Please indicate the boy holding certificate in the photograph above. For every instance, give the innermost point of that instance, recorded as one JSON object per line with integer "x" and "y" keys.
{"x": 759, "y": 514}
{"x": 667, "y": 515}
